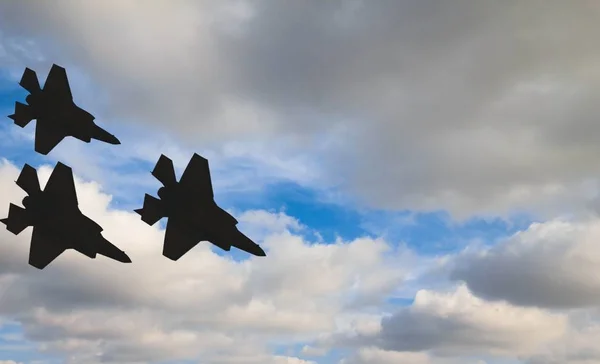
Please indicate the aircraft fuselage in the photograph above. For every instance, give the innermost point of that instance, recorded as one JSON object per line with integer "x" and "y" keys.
{"x": 207, "y": 219}
{"x": 67, "y": 223}
{"x": 177, "y": 203}
{"x": 67, "y": 118}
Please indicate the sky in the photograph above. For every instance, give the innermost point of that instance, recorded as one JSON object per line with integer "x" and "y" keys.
{"x": 422, "y": 174}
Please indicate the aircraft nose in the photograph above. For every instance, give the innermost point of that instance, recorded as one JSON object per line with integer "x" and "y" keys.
{"x": 258, "y": 251}
{"x": 101, "y": 134}
{"x": 123, "y": 258}
{"x": 113, "y": 140}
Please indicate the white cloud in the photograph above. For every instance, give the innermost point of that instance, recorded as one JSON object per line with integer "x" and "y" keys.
{"x": 156, "y": 309}
{"x": 328, "y": 295}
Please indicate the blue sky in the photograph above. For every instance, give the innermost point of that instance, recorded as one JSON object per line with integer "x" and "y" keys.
{"x": 422, "y": 175}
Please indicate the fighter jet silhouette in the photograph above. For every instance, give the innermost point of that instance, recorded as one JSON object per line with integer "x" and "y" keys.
{"x": 192, "y": 213}
{"x": 57, "y": 222}
{"x": 56, "y": 114}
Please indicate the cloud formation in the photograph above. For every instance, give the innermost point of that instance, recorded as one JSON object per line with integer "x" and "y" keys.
{"x": 472, "y": 107}
{"x": 456, "y": 324}
{"x": 554, "y": 264}
{"x": 156, "y": 310}
{"x": 488, "y": 108}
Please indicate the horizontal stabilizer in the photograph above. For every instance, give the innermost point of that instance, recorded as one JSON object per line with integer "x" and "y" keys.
{"x": 164, "y": 171}
{"x": 152, "y": 211}
{"x": 22, "y": 115}
{"x": 29, "y": 81}
{"x": 17, "y": 220}
{"x": 28, "y": 180}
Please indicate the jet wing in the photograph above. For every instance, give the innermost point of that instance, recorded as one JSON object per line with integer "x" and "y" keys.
{"x": 180, "y": 238}
{"x": 44, "y": 248}
{"x": 61, "y": 185}
{"x": 196, "y": 181}
{"x": 46, "y": 137}
{"x": 57, "y": 83}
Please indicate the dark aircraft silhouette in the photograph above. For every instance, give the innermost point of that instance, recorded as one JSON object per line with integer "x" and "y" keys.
{"x": 56, "y": 114}
{"x": 57, "y": 222}
{"x": 192, "y": 213}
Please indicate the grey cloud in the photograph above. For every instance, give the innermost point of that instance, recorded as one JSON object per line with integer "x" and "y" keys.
{"x": 553, "y": 264}
{"x": 369, "y": 355}
{"x": 471, "y": 106}
{"x": 578, "y": 346}
{"x": 458, "y": 323}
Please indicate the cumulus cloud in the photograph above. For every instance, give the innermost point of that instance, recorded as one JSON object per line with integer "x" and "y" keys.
{"x": 458, "y": 323}
{"x": 374, "y": 355}
{"x": 577, "y": 347}
{"x": 488, "y": 108}
{"x": 553, "y": 264}
{"x": 150, "y": 310}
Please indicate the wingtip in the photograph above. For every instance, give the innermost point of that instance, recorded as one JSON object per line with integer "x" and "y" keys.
{"x": 4, "y": 221}
{"x": 139, "y": 211}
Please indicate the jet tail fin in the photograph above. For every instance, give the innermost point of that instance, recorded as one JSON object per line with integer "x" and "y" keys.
{"x": 152, "y": 211}
{"x": 28, "y": 180}
{"x": 17, "y": 220}
{"x": 22, "y": 115}
{"x": 29, "y": 81}
{"x": 164, "y": 171}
